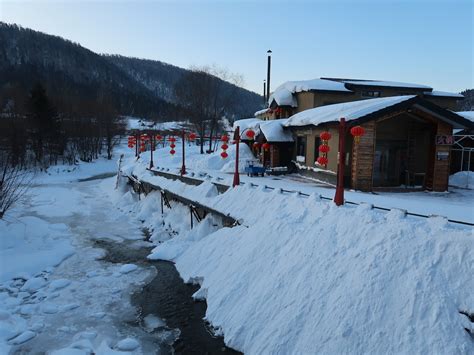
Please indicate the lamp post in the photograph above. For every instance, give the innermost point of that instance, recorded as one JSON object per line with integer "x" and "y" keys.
{"x": 237, "y": 134}
{"x": 269, "y": 63}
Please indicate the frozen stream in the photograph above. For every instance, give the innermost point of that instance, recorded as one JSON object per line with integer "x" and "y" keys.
{"x": 112, "y": 295}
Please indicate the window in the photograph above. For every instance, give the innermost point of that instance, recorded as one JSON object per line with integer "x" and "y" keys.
{"x": 371, "y": 94}
{"x": 301, "y": 149}
{"x": 317, "y": 143}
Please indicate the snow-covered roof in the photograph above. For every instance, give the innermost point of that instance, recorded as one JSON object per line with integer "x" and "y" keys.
{"x": 349, "y": 110}
{"x": 248, "y": 123}
{"x": 443, "y": 93}
{"x": 384, "y": 83}
{"x": 261, "y": 112}
{"x": 467, "y": 115}
{"x": 283, "y": 95}
{"x": 274, "y": 132}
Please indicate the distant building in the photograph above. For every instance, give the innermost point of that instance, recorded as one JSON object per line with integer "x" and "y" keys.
{"x": 296, "y": 96}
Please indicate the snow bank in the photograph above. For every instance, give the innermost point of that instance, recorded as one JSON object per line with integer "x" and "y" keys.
{"x": 302, "y": 275}
{"x": 464, "y": 179}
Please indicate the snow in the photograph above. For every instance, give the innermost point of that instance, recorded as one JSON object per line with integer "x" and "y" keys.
{"x": 283, "y": 94}
{"x": 443, "y": 94}
{"x": 349, "y": 110}
{"x": 467, "y": 114}
{"x": 322, "y": 278}
{"x": 142, "y": 123}
{"x": 464, "y": 179}
{"x": 127, "y": 344}
{"x": 125, "y": 269}
{"x": 274, "y": 132}
{"x": 261, "y": 112}
{"x": 395, "y": 84}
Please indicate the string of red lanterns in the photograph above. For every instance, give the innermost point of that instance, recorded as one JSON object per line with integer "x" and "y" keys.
{"x": 324, "y": 149}
{"x": 224, "y": 146}
{"x": 172, "y": 145}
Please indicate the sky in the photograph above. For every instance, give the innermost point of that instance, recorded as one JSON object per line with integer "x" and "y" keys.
{"x": 419, "y": 41}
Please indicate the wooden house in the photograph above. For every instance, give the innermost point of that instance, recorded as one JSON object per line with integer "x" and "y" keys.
{"x": 406, "y": 142}
{"x": 296, "y": 96}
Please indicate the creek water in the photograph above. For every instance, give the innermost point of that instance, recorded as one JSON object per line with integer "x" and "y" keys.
{"x": 167, "y": 296}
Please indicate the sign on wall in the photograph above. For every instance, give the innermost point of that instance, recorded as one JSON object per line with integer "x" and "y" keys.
{"x": 444, "y": 140}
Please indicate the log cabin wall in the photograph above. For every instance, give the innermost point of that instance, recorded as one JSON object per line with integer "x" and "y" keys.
{"x": 363, "y": 159}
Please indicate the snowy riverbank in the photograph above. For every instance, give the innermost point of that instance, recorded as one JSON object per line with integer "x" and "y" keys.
{"x": 301, "y": 275}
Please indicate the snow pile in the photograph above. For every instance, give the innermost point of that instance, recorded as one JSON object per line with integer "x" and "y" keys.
{"x": 348, "y": 110}
{"x": 464, "y": 179}
{"x": 323, "y": 278}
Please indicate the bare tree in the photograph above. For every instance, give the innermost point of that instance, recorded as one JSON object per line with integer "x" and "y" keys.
{"x": 206, "y": 99}
{"x": 14, "y": 183}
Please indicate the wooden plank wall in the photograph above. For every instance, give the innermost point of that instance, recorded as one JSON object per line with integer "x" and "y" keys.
{"x": 363, "y": 159}
{"x": 441, "y": 167}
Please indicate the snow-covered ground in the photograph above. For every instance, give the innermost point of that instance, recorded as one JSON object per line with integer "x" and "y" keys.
{"x": 56, "y": 295}
{"x": 300, "y": 275}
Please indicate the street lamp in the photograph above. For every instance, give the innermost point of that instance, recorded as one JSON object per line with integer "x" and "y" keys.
{"x": 250, "y": 134}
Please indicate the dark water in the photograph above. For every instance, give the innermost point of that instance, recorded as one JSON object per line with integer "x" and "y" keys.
{"x": 168, "y": 297}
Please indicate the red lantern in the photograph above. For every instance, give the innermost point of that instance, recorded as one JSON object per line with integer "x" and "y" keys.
{"x": 172, "y": 145}
{"x": 192, "y": 136}
{"x": 266, "y": 146}
{"x": 324, "y": 148}
{"x": 172, "y": 139}
{"x": 250, "y": 134}
{"x": 225, "y": 138}
{"x": 224, "y": 154}
{"x": 256, "y": 145}
{"x": 158, "y": 137}
{"x": 224, "y": 146}
{"x": 172, "y": 151}
{"x": 322, "y": 161}
{"x": 357, "y": 132}
{"x": 325, "y": 136}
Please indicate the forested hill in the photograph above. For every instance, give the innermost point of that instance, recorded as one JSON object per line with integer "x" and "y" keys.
{"x": 468, "y": 103}
{"x": 74, "y": 75}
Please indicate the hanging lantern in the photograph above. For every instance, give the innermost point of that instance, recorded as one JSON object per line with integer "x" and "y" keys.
{"x": 325, "y": 136}
{"x": 172, "y": 151}
{"x": 224, "y": 155}
{"x": 158, "y": 137}
{"x": 256, "y": 145}
{"x": 250, "y": 134}
{"x": 172, "y": 145}
{"x": 192, "y": 136}
{"x": 225, "y": 138}
{"x": 224, "y": 146}
{"x": 322, "y": 161}
{"x": 266, "y": 146}
{"x": 324, "y": 148}
{"x": 357, "y": 132}
{"x": 172, "y": 139}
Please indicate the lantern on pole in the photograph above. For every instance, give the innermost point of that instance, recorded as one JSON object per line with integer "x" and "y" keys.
{"x": 322, "y": 160}
{"x": 357, "y": 132}
{"x": 224, "y": 146}
{"x": 266, "y": 146}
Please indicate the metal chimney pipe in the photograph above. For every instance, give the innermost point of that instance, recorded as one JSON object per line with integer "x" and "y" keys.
{"x": 269, "y": 63}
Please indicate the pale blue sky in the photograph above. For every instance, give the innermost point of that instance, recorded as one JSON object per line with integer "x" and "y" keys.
{"x": 426, "y": 42}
